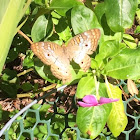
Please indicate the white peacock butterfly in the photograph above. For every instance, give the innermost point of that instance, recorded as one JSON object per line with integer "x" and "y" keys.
{"x": 58, "y": 57}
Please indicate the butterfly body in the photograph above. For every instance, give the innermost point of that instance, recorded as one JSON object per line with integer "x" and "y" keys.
{"x": 58, "y": 57}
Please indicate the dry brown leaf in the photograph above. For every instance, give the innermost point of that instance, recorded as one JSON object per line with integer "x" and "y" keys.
{"x": 132, "y": 87}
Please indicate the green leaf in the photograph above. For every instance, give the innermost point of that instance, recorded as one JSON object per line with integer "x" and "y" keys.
{"x": 108, "y": 33}
{"x": 27, "y": 86}
{"x": 41, "y": 28}
{"x": 117, "y": 18}
{"x": 85, "y": 86}
{"x": 28, "y": 61}
{"x": 99, "y": 11}
{"x": 11, "y": 11}
{"x": 83, "y": 19}
{"x": 43, "y": 129}
{"x": 117, "y": 120}
{"x": 4, "y": 5}
{"x": 137, "y": 29}
{"x": 55, "y": 17}
{"x": 62, "y": 6}
{"x": 107, "y": 50}
{"x": 40, "y": 2}
{"x": 45, "y": 107}
{"x": 125, "y": 65}
{"x": 92, "y": 120}
{"x": 63, "y": 30}
{"x": 8, "y": 74}
{"x": 130, "y": 41}
{"x": 9, "y": 88}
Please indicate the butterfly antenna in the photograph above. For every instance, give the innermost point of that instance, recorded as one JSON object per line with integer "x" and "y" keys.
{"x": 25, "y": 36}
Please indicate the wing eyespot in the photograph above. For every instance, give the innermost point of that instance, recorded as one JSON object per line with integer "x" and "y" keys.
{"x": 48, "y": 54}
{"x": 86, "y": 45}
{"x": 82, "y": 62}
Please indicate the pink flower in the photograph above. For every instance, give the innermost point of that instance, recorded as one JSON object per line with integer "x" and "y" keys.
{"x": 91, "y": 100}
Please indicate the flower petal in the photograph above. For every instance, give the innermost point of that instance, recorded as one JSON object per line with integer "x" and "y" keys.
{"x": 90, "y": 99}
{"x": 84, "y": 104}
{"x": 107, "y": 100}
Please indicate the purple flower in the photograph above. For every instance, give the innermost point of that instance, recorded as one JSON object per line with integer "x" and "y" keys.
{"x": 91, "y": 100}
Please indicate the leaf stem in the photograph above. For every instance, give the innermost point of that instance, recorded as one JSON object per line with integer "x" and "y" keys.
{"x": 107, "y": 85}
{"x": 97, "y": 86}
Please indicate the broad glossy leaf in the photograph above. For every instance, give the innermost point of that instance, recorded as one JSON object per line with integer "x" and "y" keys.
{"x": 125, "y": 65}
{"x": 99, "y": 11}
{"x": 117, "y": 120}
{"x": 62, "y": 6}
{"x": 120, "y": 14}
{"x": 85, "y": 86}
{"x": 63, "y": 30}
{"x": 83, "y": 19}
{"x": 108, "y": 33}
{"x": 91, "y": 120}
{"x": 107, "y": 50}
{"x": 40, "y": 28}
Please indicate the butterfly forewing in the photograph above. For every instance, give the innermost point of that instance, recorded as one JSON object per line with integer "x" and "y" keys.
{"x": 81, "y": 45}
{"x": 52, "y": 54}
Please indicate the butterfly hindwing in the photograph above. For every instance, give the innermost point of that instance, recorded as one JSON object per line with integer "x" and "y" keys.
{"x": 82, "y": 45}
{"x": 52, "y": 54}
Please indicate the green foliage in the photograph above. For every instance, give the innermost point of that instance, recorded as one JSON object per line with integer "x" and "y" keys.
{"x": 58, "y": 21}
{"x": 117, "y": 18}
{"x": 93, "y": 119}
{"x": 12, "y": 15}
{"x": 117, "y": 119}
{"x": 125, "y": 65}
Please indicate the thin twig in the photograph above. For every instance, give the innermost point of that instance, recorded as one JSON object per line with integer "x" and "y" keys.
{"x": 24, "y": 72}
{"x": 125, "y": 95}
{"x": 29, "y": 94}
{"x": 25, "y": 36}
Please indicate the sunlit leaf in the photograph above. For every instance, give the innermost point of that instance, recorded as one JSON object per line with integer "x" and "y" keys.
{"x": 62, "y": 6}
{"x": 91, "y": 120}
{"x": 117, "y": 120}
{"x": 125, "y": 65}
{"x": 117, "y": 17}
{"x": 83, "y": 19}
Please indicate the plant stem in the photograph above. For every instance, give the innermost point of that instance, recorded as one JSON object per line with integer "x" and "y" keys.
{"x": 24, "y": 72}
{"x": 97, "y": 87}
{"x": 31, "y": 95}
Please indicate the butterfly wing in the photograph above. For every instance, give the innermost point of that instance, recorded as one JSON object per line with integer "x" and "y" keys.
{"x": 81, "y": 46}
{"x": 52, "y": 54}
